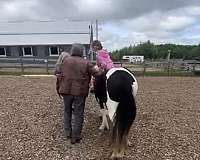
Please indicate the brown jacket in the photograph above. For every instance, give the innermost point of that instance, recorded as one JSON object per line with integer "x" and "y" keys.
{"x": 76, "y": 76}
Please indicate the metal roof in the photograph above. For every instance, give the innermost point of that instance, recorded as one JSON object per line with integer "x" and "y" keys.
{"x": 44, "y": 33}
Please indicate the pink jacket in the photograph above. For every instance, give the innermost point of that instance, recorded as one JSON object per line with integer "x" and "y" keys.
{"x": 103, "y": 60}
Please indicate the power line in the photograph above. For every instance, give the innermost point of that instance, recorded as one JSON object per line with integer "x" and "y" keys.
{"x": 43, "y": 33}
{"x": 44, "y": 20}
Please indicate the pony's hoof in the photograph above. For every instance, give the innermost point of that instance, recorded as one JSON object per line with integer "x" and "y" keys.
{"x": 116, "y": 156}
{"x": 129, "y": 144}
{"x": 101, "y": 127}
{"x": 104, "y": 128}
{"x": 113, "y": 156}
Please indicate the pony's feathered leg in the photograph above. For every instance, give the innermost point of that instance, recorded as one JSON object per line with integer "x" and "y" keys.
{"x": 104, "y": 124}
{"x": 124, "y": 117}
{"x": 112, "y": 107}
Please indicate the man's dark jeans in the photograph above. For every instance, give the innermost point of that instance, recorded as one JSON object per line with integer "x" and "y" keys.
{"x": 73, "y": 107}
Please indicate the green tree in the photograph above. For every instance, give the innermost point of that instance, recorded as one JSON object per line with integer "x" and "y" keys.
{"x": 151, "y": 51}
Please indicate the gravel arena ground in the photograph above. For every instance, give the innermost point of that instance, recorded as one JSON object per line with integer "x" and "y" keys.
{"x": 167, "y": 126}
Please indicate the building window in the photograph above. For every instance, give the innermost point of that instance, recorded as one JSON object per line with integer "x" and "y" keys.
{"x": 27, "y": 51}
{"x": 54, "y": 51}
{"x": 2, "y": 52}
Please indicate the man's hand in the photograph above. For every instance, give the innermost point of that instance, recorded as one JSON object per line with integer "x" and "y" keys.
{"x": 57, "y": 88}
{"x": 59, "y": 94}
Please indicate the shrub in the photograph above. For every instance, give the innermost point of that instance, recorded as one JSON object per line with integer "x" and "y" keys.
{"x": 197, "y": 73}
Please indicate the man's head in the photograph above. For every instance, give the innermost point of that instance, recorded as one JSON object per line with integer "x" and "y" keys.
{"x": 77, "y": 50}
{"x": 96, "y": 45}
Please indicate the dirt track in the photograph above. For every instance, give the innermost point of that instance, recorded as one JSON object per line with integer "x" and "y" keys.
{"x": 167, "y": 126}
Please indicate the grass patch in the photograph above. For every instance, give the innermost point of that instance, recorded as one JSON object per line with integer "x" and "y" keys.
{"x": 164, "y": 73}
{"x": 18, "y": 72}
{"x": 25, "y": 73}
{"x": 197, "y": 73}
{"x": 136, "y": 73}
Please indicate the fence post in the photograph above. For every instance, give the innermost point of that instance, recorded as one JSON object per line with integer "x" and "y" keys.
{"x": 168, "y": 67}
{"x": 144, "y": 68}
{"x": 22, "y": 65}
{"x": 194, "y": 66}
{"x": 47, "y": 65}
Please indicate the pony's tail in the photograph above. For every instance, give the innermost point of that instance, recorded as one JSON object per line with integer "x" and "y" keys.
{"x": 124, "y": 117}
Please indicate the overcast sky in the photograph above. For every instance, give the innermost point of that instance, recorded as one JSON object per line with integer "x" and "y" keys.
{"x": 122, "y": 22}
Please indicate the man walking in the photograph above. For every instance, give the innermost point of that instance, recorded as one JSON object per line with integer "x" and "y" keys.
{"x": 74, "y": 87}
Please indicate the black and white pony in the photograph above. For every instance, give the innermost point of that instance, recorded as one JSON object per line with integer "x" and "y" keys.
{"x": 115, "y": 92}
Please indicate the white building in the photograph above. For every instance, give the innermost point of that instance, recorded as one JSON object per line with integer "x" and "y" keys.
{"x": 134, "y": 59}
{"x": 41, "y": 39}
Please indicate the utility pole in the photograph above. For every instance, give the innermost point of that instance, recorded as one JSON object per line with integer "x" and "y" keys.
{"x": 97, "y": 30}
{"x": 91, "y": 54}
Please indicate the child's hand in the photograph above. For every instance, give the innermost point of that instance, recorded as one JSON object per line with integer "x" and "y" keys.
{"x": 100, "y": 71}
{"x": 96, "y": 67}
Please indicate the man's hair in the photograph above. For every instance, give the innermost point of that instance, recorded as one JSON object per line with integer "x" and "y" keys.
{"x": 97, "y": 44}
{"x": 77, "y": 50}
